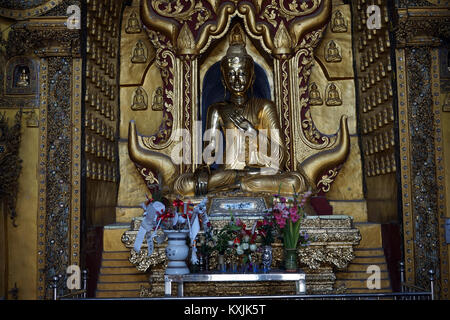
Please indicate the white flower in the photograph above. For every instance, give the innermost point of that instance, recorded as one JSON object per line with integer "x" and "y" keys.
{"x": 239, "y": 251}
{"x": 230, "y": 243}
{"x": 253, "y": 247}
{"x": 246, "y": 238}
{"x": 245, "y": 246}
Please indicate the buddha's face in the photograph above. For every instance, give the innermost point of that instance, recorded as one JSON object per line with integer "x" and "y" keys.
{"x": 237, "y": 74}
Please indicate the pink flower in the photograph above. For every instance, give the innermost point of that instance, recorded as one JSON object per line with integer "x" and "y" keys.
{"x": 294, "y": 217}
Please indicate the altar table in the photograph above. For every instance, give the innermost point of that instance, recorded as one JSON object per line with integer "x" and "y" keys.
{"x": 299, "y": 278}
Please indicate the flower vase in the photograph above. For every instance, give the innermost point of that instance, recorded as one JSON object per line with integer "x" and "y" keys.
{"x": 266, "y": 258}
{"x": 290, "y": 259}
{"x": 177, "y": 252}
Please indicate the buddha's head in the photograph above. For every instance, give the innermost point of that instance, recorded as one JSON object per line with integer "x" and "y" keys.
{"x": 237, "y": 65}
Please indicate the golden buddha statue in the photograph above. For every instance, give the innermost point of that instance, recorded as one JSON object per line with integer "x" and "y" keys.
{"x": 332, "y": 52}
{"x": 158, "y": 100}
{"x": 133, "y": 24}
{"x": 239, "y": 118}
{"x": 139, "y": 100}
{"x": 314, "y": 95}
{"x": 338, "y": 24}
{"x": 139, "y": 53}
{"x": 23, "y": 79}
{"x": 333, "y": 97}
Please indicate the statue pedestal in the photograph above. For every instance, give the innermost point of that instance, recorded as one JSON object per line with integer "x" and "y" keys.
{"x": 332, "y": 241}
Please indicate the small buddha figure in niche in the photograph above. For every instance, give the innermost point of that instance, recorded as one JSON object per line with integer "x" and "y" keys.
{"x": 158, "y": 100}
{"x": 139, "y": 100}
{"x": 24, "y": 79}
{"x": 339, "y": 24}
{"x": 332, "y": 52}
{"x": 333, "y": 97}
{"x": 139, "y": 53}
{"x": 314, "y": 95}
{"x": 241, "y": 118}
{"x": 133, "y": 24}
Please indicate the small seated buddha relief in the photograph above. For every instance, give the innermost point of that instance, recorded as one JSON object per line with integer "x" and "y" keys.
{"x": 332, "y": 52}
{"x": 333, "y": 96}
{"x": 139, "y": 53}
{"x": 133, "y": 24}
{"x": 158, "y": 100}
{"x": 139, "y": 100}
{"x": 23, "y": 78}
{"x": 314, "y": 95}
{"x": 338, "y": 23}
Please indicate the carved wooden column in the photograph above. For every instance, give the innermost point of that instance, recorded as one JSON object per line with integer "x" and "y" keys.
{"x": 420, "y": 143}
{"x": 57, "y": 50}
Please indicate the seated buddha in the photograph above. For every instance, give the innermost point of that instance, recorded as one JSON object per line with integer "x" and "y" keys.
{"x": 23, "y": 79}
{"x": 248, "y": 124}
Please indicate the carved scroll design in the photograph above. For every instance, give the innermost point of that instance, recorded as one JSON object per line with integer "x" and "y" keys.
{"x": 165, "y": 60}
{"x": 285, "y": 109}
{"x": 327, "y": 180}
{"x": 157, "y": 15}
{"x": 293, "y": 10}
{"x": 177, "y": 10}
{"x": 308, "y": 133}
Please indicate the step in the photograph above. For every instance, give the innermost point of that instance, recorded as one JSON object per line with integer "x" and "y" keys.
{"x": 114, "y": 286}
{"x": 118, "y": 294}
{"x": 363, "y": 267}
{"x": 118, "y": 270}
{"x": 370, "y": 235}
{"x": 116, "y": 263}
{"x": 115, "y": 255}
{"x": 359, "y": 275}
{"x": 136, "y": 277}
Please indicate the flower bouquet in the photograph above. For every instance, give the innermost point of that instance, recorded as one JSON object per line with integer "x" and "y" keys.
{"x": 288, "y": 214}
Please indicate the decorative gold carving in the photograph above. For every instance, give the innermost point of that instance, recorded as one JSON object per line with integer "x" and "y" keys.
{"x": 294, "y": 10}
{"x": 155, "y": 14}
{"x": 165, "y": 9}
{"x": 185, "y": 41}
{"x": 327, "y": 180}
{"x": 282, "y": 41}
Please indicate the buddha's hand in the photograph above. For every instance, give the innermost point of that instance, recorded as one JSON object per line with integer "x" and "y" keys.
{"x": 243, "y": 124}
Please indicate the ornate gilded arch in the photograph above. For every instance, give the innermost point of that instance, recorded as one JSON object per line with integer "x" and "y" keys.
{"x": 183, "y": 31}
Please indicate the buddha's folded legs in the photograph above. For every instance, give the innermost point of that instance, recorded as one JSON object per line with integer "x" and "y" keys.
{"x": 219, "y": 180}
{"x": 284, "y": 183}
